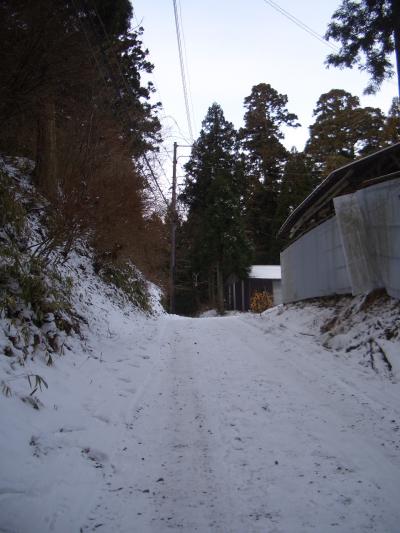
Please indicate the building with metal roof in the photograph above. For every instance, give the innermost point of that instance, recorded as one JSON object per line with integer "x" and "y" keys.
{"x": 345, "y": 236}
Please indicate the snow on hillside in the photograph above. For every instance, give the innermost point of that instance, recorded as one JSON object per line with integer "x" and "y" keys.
{"x": 62, "y": 368}
{"x": 50, "y": 453}
{"x": 144, "y": 418}
{"x": 362, "y": 330}
{"x": 286, "y": 422}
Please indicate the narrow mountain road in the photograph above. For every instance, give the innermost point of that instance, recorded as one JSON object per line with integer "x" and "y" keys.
{"x": 247, "y": 427}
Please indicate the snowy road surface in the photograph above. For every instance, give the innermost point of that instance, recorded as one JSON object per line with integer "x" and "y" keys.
{"x": 239, "y": 424}
{"x": 242, "y": 429}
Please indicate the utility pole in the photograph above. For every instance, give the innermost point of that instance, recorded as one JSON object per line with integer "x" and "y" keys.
{"x": 173, "y": 235}
{"x": 174, "y": 220}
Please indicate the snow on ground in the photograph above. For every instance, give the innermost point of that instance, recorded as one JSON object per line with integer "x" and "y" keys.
{"x": 236, "y": 424}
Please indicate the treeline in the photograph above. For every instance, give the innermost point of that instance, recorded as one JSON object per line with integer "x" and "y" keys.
{"x": 241, "y": 185}
{"x": 72, "y": 100}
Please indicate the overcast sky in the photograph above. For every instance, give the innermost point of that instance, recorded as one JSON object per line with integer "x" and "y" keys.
{"x": 232, "y": 45}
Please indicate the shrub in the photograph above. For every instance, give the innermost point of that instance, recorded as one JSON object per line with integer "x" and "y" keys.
{"x": 12, "y": 213}
{"x": 127, "y": 278}
{"x": 261, "y": 301}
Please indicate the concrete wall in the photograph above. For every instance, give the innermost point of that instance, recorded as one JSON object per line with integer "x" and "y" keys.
{"x": 353, "y": 252}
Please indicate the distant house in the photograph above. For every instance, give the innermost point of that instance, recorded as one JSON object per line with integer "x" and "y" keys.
{"x": 345, "y": 236}
{"x": 238, "y": 292}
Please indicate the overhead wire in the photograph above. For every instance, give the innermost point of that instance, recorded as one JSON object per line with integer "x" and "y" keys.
{"x": 188, "y": 141}
{"x": 157, "y": 88}
{"x": 309, "y": 30}
{"x": 103, "y": 77}
{"x": 128, "y": 88}
{"x": 301, "y": 24}
{"x": 165, "y": 116}
{"x": 186, "y": 63}
{"x": 183, "y": 76}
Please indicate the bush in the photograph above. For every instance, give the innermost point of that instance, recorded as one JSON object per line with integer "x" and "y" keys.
{"x": 261, "y": 301}
{"x": 27, "y": 280}
{"x": 127, "y": 278}
{"x": 12, "y": 213}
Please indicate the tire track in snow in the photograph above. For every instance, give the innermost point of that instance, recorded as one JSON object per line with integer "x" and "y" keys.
{"x": 236, "y": 432}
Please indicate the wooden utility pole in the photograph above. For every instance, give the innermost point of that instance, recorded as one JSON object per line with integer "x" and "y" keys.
{"x": 174, "y": 220}
{"x": 173, "y": 235}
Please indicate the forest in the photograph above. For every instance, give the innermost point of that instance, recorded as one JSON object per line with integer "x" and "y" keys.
{"x": 73, "y": 101}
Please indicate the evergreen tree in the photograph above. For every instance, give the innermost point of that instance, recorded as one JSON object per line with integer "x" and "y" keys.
{"x": 392, "y": 123}
{"x": 114, "y": 16}
{"x": 72, "y": 99}
{"x": 342, "y": 131}
{"x": 369, "y": 32}
{"x": 217, "y": 244}
{"x": 297, "y": 183}
{"x": 261, "y": 139}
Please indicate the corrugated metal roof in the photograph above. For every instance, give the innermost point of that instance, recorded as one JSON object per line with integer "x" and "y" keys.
{"x": 265, "y": 272}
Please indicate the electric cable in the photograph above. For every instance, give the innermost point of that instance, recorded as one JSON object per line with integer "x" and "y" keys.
{"x": 184, "y": 85}
{"x": 186, "y": 64}
{"x": 128, "y": 88}
{"x": 301, "y": 24}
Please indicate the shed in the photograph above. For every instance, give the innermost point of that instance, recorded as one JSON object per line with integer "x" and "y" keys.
{"x": 345, "y": 236}
{"x": 238, "y": 292}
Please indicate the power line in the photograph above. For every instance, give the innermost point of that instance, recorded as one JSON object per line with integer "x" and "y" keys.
{"x": 184, "y": 85}
{"x": 155, "y": 180}
{"x": 186, "y": 62}
{"x": 301, "y": 24}
{"x": 167, "y": 153}
{"x": 163, "y": 170}
{"x": 188, "y": 141}
{"x": 128, "y": 88}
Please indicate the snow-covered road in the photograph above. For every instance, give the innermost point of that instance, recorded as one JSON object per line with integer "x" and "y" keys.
{"x": 245, "y": 425}
{"x": 239, "y": 424}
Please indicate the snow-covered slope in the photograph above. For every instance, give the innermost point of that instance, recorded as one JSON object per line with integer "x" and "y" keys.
{"x": 245, "y": 423}
{"x": 286, "y": 422}
{"x": 63, "y": 373}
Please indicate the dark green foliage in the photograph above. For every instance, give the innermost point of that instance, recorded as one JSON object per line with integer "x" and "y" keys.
{"x": 297, "y": 183}
{"x": 114, "y": 15}
{"x": 261, "y": 139}
{"x": 214, "y": 231}
{"x": 343, "y": 131}
{"x": 369, "y": 33}
{"x": 392, "y": 123}
{"x": 72, "y": 98}
{"x": 261, "y": 135}
{"x": 26, "y": 278}
{"x": 12, "y": 213}
{"x": 128, "y": 279}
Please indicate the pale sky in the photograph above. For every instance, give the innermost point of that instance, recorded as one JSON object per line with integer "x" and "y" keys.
{"x": 232, "y": 45}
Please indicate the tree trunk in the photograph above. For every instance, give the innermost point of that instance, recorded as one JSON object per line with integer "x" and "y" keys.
{"x": 211, "y": 287}
{"x": 46, "y": 157}
{"x": 220, "y": 291}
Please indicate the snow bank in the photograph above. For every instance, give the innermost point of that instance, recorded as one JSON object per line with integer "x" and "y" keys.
{"x": 65, "y": 387}
{"x": 365, "y": 330}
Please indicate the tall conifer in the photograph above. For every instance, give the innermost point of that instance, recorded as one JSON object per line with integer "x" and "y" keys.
{"x": 212, "y": 194}
{"x": 261, "y": 139}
